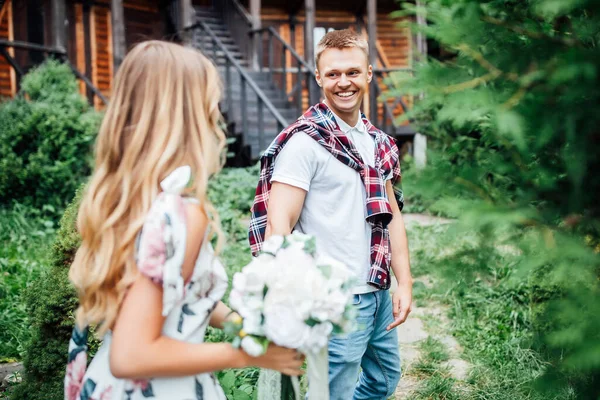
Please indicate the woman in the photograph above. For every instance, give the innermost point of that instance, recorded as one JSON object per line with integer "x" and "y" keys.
{"x": 145, "y": 272}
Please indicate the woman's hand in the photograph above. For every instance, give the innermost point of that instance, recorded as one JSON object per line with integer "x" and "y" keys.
{"x": 287, "y": 361}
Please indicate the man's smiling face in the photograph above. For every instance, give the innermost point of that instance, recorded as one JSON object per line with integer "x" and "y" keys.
{"x": 344, "y": 75}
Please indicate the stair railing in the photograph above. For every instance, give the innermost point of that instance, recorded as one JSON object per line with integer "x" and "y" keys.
{"x": 292, "y": 80}
{"x": 239, "y": 23}
{"x": 215, "y": 48}
{"x": 61, "y": 55}
{"x": 388, "y": 122}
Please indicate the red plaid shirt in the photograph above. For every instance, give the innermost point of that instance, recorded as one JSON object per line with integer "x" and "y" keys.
{"x": 319, "y": 123}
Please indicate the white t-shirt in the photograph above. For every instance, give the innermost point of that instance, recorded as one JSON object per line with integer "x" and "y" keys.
{"x": 334, "y": 209}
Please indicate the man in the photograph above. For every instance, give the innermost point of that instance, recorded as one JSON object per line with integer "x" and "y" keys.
{"x": 331, "y": 174}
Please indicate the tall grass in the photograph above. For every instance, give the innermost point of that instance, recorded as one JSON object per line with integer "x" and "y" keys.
{"x": 24, "y": 236}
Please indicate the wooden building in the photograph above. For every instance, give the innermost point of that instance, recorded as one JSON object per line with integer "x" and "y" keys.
{"x": 268, "y": 44}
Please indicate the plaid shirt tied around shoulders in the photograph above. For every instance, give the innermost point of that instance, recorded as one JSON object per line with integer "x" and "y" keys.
{"x": 318, "y": 122}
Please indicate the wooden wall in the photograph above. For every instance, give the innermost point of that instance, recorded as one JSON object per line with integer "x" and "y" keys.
{"x": 393, "y": 42}
{"x": 8, "y": 83}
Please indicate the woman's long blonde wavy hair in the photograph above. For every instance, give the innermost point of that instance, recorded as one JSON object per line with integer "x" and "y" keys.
{"x": 163, "y": 114}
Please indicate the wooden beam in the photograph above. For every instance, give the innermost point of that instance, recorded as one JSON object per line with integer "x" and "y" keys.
{"x": 309, "y": 48}
{"x": 372, "y": 32}
{"x": 118, "y": 33}
{"x": 421, "y": 39}
{"x": 185, "y": 19}
{"x": 256, "y": 24}
{"x": 59, "y": 21}
{"x": 80, "y": 45}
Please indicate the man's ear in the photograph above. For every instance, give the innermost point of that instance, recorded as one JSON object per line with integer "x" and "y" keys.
{"x": 318, "y": 77}
{"x": 369, "y": 73}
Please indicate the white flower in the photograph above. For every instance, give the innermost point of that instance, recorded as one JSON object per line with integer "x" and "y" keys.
{"x": 282, "y": 288}
{"x": 283, "y": 328}
{"x": 235, "y": 299}
{"x": 252, "y": 325}
{"x": 318, "y": 338}
{"x": 296, "y": 283}
{"x": 252, "y": 347}
{"x": 272, "y": 244}
{"x": 332, "y": 307}
{"x": 337, "y": 272}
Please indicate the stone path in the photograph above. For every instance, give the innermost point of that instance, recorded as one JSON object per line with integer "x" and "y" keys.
{"x": 424, "y": 322}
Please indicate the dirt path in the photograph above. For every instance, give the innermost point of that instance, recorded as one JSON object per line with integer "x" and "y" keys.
{"x": 426, "y": 321}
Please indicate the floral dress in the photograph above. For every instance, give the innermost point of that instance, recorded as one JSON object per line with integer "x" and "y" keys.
{"x": 160, "y": 251}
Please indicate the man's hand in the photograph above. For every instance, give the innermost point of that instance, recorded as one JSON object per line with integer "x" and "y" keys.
{"x": 402, "y": 304}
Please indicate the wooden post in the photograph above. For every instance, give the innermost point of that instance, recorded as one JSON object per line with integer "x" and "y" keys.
{"x": 59, "y": 20}
{"x": 420, "y": 140}
{"x": 186, "y": 18}
{"x": 420, "y": 37}
{"x": 256, "y": 24}
{"x": 372, "y": 32}
{"x": 309, "y": 49}
{"x": 118, "y": 33}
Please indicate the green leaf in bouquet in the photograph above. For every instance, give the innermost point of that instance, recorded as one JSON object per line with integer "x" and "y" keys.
{"x": 232, "y": 328}
{"x": 310, "y": 246}
{"x": 228, "y": 381}
{"x": 240, "y": 395}
{"x": 311, "y": 322}
{"x": 326, "y": 270}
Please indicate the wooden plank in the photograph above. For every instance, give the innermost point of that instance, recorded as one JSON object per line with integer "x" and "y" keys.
{"x": 80, "y": 45}
{"x": 141, "y": 5}
{"x": 102, "y": 54}
{"x": 8, "y": 81}
{"x": 59, "y": 31}
{"x": 118, "y": 32}
{"x": 93, "y": 54}
{"x": 370, "y": 107}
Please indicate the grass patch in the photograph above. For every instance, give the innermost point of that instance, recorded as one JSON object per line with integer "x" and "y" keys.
{"x": 438, "y": 387}
{"x": 489, "y": 311}
{"x": 24, "y": 240}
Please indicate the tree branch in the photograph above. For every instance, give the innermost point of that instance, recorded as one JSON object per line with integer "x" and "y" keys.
{"x": 532, "y": 34}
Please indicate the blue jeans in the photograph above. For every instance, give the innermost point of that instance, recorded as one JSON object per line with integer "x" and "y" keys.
{"x": 371, "y": 348}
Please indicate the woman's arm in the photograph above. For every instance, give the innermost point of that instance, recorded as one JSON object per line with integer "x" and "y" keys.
{"x": 220, "y": 314}
{"x": 139, "y": 350}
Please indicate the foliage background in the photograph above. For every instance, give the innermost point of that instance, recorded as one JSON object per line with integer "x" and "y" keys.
{"x": 510, "y": 113}
{"x": 46, "y": 134}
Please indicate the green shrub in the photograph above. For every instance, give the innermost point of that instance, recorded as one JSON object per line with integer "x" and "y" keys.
{"x": 51, "y": 301}
{"x": 46, "y": 134}
{"x": 512, "y": 118}
{"x": 24, "y": 237}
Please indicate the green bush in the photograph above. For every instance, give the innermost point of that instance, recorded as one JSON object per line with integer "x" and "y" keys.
{"x": 51, "y": 301}
{"x": 46, "y": 134}
{"x": 24, "y": 237}
{"x": 512, "y": 117}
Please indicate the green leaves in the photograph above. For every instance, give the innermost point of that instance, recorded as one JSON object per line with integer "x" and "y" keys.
{"x": 514, "y": 155}
{"x": 45, "y": 139}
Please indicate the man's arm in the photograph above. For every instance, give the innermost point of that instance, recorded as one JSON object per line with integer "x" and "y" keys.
{"x": 402, "y": 299}
{"x": 285, "y": 205}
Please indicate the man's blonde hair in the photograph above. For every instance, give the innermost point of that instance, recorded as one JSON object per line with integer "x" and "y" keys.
{"x": 341, "y": 39}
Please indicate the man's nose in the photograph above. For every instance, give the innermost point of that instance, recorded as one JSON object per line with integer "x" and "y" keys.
{"x": 344, "y": 80}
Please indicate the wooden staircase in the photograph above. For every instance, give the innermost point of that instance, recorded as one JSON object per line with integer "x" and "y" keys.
{"x": 257, "y": 134}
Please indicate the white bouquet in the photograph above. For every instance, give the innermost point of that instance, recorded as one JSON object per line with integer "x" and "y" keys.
{"x": 295, "y": 298}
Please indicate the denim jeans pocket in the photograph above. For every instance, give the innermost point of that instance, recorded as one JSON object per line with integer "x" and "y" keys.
{"x": 356, "y": 300}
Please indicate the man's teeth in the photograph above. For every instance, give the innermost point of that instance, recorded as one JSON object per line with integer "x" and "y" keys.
{"x": 345, "y": 94}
